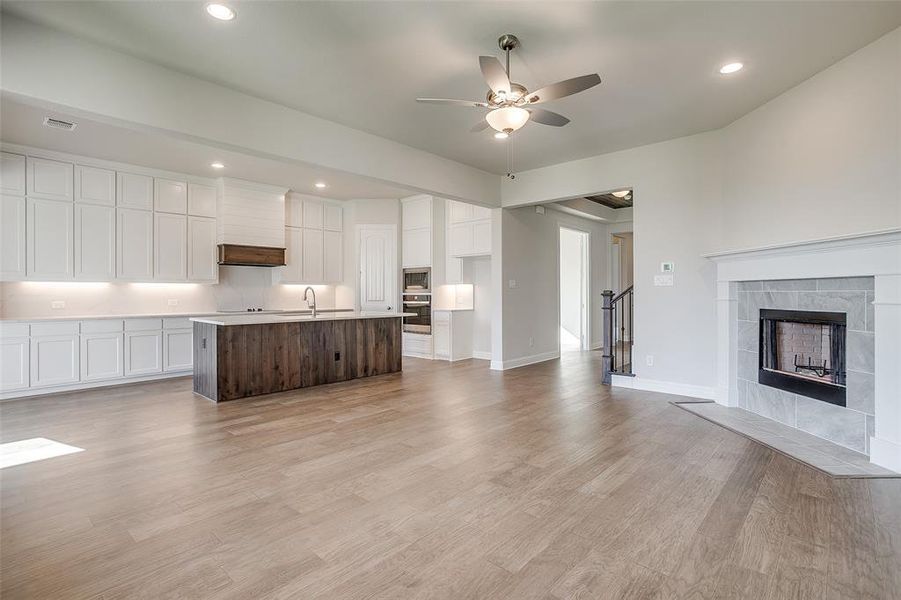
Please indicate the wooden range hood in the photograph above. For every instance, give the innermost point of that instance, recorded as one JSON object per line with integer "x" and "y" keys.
{"x": 251, "y": 256}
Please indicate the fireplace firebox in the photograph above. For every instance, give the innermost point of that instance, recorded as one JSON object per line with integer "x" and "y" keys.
{"x": 803, "y": 352}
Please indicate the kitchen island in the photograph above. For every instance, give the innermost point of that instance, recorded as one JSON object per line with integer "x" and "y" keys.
{"x": 239, "y": 356}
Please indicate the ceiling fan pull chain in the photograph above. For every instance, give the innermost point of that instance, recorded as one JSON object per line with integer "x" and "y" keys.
{"x": 510, "y": 174}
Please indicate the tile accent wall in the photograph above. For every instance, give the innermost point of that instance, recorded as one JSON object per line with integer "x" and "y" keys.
{"x": 849, "y": 426}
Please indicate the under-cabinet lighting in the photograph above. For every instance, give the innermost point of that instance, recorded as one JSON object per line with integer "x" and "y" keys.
{"x": 69, "y": 284}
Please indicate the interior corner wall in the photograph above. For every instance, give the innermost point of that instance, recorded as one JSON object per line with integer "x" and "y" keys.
{"x": 364, "y": 212}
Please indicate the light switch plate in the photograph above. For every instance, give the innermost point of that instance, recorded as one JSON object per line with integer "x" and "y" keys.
{"x": 511, "y": 284}
{"x": 667, "y": 267}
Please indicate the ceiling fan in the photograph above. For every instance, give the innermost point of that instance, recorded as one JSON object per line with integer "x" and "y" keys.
{"x": 511, "y": 103}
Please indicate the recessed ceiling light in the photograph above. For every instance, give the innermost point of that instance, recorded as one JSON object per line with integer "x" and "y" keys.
{"x": 320, "y": 184}
{"x": 731, "y": 68}
{"x": 217, "y": 165}
{"x": 501, "y": 135}
{"x": 622, "y": 193}
{"x": 220, "y": 11}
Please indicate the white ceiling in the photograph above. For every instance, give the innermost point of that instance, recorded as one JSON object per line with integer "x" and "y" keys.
{"x": 23, "y": 124}
{"x": 363, "y": 63}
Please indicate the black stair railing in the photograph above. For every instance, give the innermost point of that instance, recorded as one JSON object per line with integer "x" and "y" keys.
{"x": 618, "y": 309}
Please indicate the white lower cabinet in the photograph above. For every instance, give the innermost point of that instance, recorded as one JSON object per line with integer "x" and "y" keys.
{"x": 101, "y": 356}
{"x": 452, "y": 334}
{"x": 178, "y": 351}
{"x": 95, "y": 242}
{"x": 54, "y": 360}
{"x": 143, "y": 352}
{"x": 14, "y": 363}
{"x": 417, "y": 344}
{"x": 50, "y": 254}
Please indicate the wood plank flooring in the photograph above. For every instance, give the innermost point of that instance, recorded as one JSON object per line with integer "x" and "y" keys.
{"x": 443, "y": 481}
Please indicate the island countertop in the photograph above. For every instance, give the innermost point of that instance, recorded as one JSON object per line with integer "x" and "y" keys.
{"x": 268, "y": 319}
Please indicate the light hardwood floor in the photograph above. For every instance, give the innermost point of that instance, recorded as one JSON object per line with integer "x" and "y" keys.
{"x": 444, "y": 481}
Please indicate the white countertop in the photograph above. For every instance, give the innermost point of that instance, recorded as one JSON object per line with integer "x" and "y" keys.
{"x": 171, "y": 315}
{"x": 266, "y": 319}
{"x": 450, "y": 309}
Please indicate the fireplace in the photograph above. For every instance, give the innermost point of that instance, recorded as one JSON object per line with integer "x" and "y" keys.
{"x": 803, "y": 352}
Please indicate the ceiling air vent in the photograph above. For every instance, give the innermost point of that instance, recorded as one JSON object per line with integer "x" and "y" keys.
{"x": 58, "y": 124}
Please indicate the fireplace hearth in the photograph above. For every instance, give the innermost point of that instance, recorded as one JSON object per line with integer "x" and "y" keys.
{"x": 804, "y": 352}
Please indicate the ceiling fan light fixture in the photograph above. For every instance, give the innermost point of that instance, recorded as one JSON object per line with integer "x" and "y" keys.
{"x": 622, "y": 193}
{"x": 501, "y": 135}
{"x": 508, "y": 118}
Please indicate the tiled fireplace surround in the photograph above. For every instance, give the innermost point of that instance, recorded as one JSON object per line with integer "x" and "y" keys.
{"x": 859, "y": 275}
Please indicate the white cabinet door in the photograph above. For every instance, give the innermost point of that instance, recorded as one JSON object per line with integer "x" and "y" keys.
{"x": 12, "y": 174}
{"x": 312, "y": 213}
{"x": 95, "y": 242}
{"x": 417, "y": 214}
{"x": 134, "y": 191}
{"x": 481, "y": 237}
{"x": 459, "y": 211}
{"x": 178, "y": 351}
{"x": 134, "y": 244}
{"x": 460, "y": 239}
{"x": 332, "y": 256}
{"x": 50, "y": 254}
{"x": 332, "y": 217}
{"x": 12, "y": 238}
{"x": 54, "y": 360}
{"x": 417, "y": 250}
{"x": 480, "y": 212}
{"x": 201, "y": 200}
{"x": 14, "y": 361}
{"x": 202, "y": 264}
{"x": 292, "y": 272}
{"x": 50, "y": 179}
{"x": 293, "y": 211}
{"x": 312, "y": 255}
{"x": 453, "y": 269}
{"x": 170, "y": 196}
{"x": 170, "y": 242}
{"x": 143, "y": 352}
{"x": 94, "y": 185}
{"x": 441, "y": 340}
{"x": 101, "y": 356}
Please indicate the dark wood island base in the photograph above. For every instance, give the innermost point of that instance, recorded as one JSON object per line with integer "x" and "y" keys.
{"x": 238, "y": 361}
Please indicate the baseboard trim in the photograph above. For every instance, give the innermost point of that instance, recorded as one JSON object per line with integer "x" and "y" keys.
{"x": 77, "y": 387}
{"x": 481, "y": 355}
{"x": 885, "y": 454}
{"x": 666, "y": 387}
{"x": 515, "y": 363}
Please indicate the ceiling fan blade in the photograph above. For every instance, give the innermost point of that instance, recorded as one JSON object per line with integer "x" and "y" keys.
{"x": 561, "y": 89}
{"x": 471, "y": 103}
{"x": 494, "y": 74}
{"x": 480, "y": 126}
{"x": 547, "y": 117}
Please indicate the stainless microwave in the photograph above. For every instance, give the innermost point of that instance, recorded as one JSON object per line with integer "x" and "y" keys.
{"x": 418, "y": 281}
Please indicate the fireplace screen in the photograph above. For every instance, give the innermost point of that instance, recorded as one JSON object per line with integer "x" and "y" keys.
{"x": 803, "y": 352}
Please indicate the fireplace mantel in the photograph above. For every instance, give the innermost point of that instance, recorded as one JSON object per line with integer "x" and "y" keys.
{"x": 874, "y": 254}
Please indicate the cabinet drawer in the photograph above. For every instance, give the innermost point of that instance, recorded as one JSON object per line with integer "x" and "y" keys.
{"x": 11, "y": 330}
{"x": 143, "y": 324}
{"x": 102, "y": 326}
{"x": 177, "y": 323}
{"x": 55, "y": 328}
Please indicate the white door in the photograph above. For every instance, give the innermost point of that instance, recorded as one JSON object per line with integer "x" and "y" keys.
{"x": 101, "y": 356}
{"x": 332, "y": 255}
{"x": 312, "y": 254}
{"x": 202, "y": 264}
{"x": 178, "y": 351}
{"x": 143, "y": 352}
{"x": 134, "y": 244}
{"x": 12, "y": 238}
{"x": 54, "y": 360}
{"x": 14, "y": 359}
{"x": 95, "y": 242}
{"x": 170, "y": 242}
{"x": 50, "y": 244}
{"x": 378, "y": 267}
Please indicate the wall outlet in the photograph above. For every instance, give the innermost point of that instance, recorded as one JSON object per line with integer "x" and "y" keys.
{"x": 531, "y": 342}
{"x": 172, "y": 302}
{"x": 649, "y": 359}
{"x": 58, "y": 304}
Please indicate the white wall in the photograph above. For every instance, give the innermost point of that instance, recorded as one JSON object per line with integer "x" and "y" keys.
{"x": 571, "y": 282}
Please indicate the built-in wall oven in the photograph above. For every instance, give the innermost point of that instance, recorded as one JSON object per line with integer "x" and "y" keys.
{"x": 418, "y": 300}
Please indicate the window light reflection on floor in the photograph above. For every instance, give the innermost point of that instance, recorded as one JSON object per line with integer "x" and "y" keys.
{"x": 31, "y": 450}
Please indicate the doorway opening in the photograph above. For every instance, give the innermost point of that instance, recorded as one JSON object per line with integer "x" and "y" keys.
{"x": 621, "y": 280}
{"x": 574, "y": 285}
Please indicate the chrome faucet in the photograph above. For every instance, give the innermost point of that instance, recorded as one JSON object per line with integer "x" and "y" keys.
{"x": 313, "y": 306}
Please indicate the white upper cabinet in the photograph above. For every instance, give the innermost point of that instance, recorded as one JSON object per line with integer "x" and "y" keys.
{"x": 460, "y": 239}
{"x": 293, "y": 210}
{"x": 417, "y": 213}
{"x": 468, "y": 232}
{"x": 134, "y": 244}
{"x": 12, "y": 238}
{"x": 170, "y": 241}
{"x": 417, "y": 250}
{"x": 481, "y": 237}
{"x": 292, "y": 272}
{"x": 480, "y": 212}
{"x": 459, "y": 211}
{"x": 312, "y": 213}
{"x": 332, "y": 217}
{"x": 134, "y": 191}
{"x": 95, "y": 186}
{"x": 202, "y": 265}
{"x": 12, "y": 174}
{"x": 50, "y": 179}
{"x": 170, "y": 196}
{"x": 95, "y": 242}
{"x": 332, "y": 256}
{"x": 201, "y": 200}
{"x": 50, "y": 247}
{"x": 312, "y": 256}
